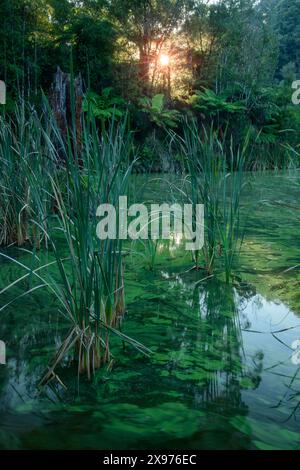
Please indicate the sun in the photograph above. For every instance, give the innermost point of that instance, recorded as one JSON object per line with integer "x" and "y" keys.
{"x": 164, "y": 60}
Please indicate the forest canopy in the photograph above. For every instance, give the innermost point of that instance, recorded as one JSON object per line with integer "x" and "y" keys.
{"x": 227, "y": 62}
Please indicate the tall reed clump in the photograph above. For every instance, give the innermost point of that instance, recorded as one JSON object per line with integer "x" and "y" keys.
{"x": 88, "y": 283}
{"x": 91, "y": 286}
{"x": 24, "y": 182}
{"x": 215, "y": 179}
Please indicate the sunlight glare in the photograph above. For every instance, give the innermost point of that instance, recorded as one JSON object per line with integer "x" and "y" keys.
{"x": 164, "y": 60}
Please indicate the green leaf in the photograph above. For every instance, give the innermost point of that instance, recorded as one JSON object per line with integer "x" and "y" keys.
{"x": 158, "y": 102}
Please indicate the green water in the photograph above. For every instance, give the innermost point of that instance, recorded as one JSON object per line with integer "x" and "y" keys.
{"x": 219, "y": 378}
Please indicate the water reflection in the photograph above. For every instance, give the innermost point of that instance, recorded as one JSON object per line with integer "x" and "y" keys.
{"x": 212, "y": 354}
{"x": 221, "y": 375}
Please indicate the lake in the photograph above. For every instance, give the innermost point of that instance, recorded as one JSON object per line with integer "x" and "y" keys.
{"x": 224, "y": 373}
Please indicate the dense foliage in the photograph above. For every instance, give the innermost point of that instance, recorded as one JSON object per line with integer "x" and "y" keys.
{"x": 230, "y": 64}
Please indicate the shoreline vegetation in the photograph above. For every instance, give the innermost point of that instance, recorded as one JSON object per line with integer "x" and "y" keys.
{"x": 53, "y": 180}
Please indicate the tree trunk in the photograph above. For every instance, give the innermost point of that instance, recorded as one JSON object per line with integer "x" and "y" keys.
{"x": 144, "y": 70}
{"x": 67, "y": 114}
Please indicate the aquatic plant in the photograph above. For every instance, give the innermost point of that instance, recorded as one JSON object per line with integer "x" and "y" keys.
{"x": 215, "y": 179}
{"x": 24, "y": 182}
{"x": 268, "y": 156}
{"x": 230, "y": 227}
{"x": 89, "y": 283}
{"x": 92, "y": 279}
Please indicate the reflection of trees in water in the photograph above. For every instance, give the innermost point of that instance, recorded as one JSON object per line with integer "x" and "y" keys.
{"x": 216, "y": 346}
{"x": 220, "y": 341}
{"x": 30, "y": 328}
{"x": 27, "y": 359}
{"x": 207, "y": 348}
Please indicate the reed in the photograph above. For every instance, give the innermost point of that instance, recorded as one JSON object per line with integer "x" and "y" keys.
{"x": 230, "y": 226}
{"x": 92, "y": 279}
{"x": 269, "y": 156}
{"x": 89, "y": 280}
{"x": 215, "y": 179}
{"x": 24, "y": 182}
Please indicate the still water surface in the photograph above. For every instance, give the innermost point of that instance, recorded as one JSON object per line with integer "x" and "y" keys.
{"x": 223, "y": 374}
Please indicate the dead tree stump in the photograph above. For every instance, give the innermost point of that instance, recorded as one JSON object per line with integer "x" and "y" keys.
{"x": 66, "y": 114}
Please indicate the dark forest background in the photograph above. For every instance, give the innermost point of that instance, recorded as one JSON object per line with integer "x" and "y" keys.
{"x": 230, "y": 63}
